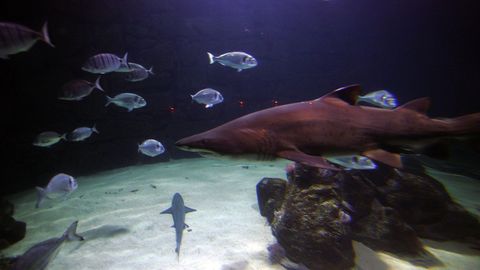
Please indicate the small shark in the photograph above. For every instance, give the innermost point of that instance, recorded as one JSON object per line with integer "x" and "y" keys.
{"x": 41, "y": 254}
{"x": 178, "y": 211}
{"x": 332, "y": 125}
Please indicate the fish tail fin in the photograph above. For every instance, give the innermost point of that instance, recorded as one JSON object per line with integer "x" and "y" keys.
{"x": 124, "y": 59}
{"x": 177, "y": 250}
{"x": 64, "y": 137}
{"x": 97, "y": 84}
{"x": 44, "y": 35}
{"x": 211, "y": 58}
{"x": 41, "y": 195}
{"x": 94, "y": 129}
{"x": 71, "y": 232}
{"x": 465, "y": 125}
{"x": 151, "y": 71}
{"x": 109, "y": 100}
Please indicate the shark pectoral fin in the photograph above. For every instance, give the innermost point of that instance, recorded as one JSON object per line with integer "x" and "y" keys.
{"x": 188, "y": 209}
{"x": 168, "y": 211}
{"x": 314, "y": 161}
{"x": 391, "y": 159}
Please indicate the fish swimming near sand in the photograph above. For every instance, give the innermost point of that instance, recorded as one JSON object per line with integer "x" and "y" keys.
{"x": 60, "y": 185}
{"x": 40, "y": 255}
{"x": 15, "y": 38}
{"x": 178, "y": 211}
{"x": 332, "y": 125}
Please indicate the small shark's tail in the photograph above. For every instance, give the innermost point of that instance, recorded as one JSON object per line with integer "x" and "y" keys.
{"x": 71, "y": 233}
{"x": 41, "y": 195}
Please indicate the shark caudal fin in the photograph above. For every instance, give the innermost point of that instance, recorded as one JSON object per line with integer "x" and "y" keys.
{"x": 71, "y": 232}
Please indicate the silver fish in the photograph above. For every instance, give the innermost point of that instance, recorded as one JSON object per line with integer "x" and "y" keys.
{"x": 353, "y": 162}
{"x": 208, "y": 96}
{"x": 104, "y": 63}
{"x": 78, "y": 89}
{"x": 40, "y": 255}
{"x": 151, "y": 148}
{"x": 236, "y": 60}
{"x": 139, "y": 73}
{"x": 15, "y": 38}
{"x": 59, "y": 186}
{"x": 125, "y": 67}
{"x": 48, "y": 138}
{"x": 82, "y": 133}
{"x": 381, "y": 98}
{"x": 127, "y": 100}
{"x": 178, "y": 211}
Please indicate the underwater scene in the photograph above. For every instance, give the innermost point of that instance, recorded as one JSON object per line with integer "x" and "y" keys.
{"x": 240, "y": 135}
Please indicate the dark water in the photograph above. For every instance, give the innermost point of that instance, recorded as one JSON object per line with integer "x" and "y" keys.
{"x": 305, "y": 48}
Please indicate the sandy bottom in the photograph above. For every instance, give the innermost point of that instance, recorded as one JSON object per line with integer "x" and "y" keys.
{"x": 118, "y": 213}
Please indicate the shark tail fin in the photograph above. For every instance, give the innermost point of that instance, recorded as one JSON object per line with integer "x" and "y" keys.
{"x": 71, "y": 232}
{"x": 94, "y": 129}
{"x": 41, "y": 195}
{"x": 168, "y": 211}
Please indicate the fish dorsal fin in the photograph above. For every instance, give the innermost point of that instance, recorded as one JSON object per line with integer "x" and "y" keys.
{"x": 348, "y": 94}
{"x": 419, "y": 105}
{"x": 188, "y": 209}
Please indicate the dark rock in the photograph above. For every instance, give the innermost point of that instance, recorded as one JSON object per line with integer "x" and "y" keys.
{"x": 11, "y": 231}
{"x": 385, "y": 209}
{"x": 270, "y": 194}
{"x": 311, "y": 226}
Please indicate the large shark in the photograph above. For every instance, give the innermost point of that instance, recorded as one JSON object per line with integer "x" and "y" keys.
{"x": 333, "y": 125}
{"x": 178, "y": 211}
{"x": 41, "y": 254}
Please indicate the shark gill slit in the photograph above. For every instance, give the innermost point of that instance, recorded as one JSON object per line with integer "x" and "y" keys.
{"x": 266, "y": 146}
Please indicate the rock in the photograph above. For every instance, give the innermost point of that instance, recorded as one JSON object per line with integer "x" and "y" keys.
{"x": 311, "y": 226}
{"x": 316, "y": 214}
{"x": 11, "y": 231}
{"x": 270, "y": 194}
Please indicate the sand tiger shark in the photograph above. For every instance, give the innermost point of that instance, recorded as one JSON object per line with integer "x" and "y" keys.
{"x": 332, "y": 125}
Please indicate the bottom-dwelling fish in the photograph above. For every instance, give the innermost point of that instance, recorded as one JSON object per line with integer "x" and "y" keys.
{"x": 178, "y": 211}
{"x": 41, "y": 254}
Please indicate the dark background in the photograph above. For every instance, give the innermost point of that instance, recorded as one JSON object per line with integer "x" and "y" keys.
{"x": 305, "y": 48}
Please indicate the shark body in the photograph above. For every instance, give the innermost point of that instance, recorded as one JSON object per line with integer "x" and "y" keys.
{"x": 332, "y": 125}
{"x": 178, "y": 210}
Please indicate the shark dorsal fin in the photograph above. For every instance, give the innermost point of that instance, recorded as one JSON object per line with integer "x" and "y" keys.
{"x": 348, "y": 93}
{"x": 419, "y": 105}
